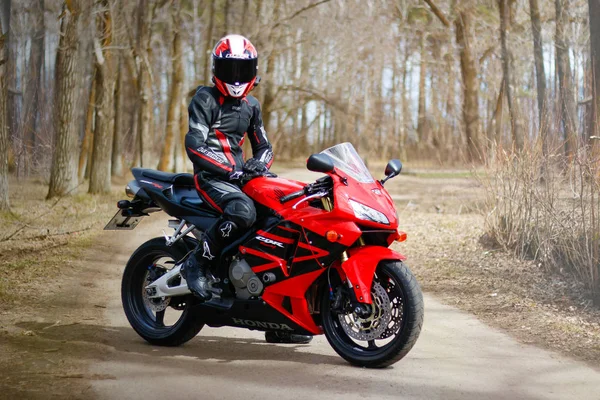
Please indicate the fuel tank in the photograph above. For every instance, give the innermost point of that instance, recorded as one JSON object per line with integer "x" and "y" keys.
{"x": 268, "y": 191}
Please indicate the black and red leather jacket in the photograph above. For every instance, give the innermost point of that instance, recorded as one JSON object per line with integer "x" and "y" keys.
{"x": 218, "y": 128}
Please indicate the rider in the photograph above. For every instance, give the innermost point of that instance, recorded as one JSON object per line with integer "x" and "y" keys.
{"x": 220, "y": 118}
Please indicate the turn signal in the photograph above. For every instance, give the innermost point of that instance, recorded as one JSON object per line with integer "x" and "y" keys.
{"x": 332, "y": 236}
{"x": 401, "y": 236}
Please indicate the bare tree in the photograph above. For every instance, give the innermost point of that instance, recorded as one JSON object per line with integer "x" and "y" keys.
{"x": 4, "y": 144}
{"x": 63, "y": 174}
{"x": 166, "y": 158}
{"x": 88, "y": 135}
{"x": 563, "y": 67}
{"x": 468, "y": 70}
{"x": 504, "y": 9}
{"x": 208, "y": 41}
{"x": 105, "y": 89}
{"x": 145, "y": 19}
{"x": 594, "y": 16}
{"x": 33, "y": 92}
{"x": 540, "y": 74}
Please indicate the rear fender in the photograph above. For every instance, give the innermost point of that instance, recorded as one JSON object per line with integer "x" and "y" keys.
{"x": 361, "y": 265}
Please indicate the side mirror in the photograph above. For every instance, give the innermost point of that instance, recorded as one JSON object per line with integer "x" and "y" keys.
{"x": 392, "y": 169}
{"x": 320, "y": 163}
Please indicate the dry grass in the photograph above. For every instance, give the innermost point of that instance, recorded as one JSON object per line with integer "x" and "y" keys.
{"x": 41, "y": 237}
{"x": 547, "y": 209}
{"x": 445, "y": 251}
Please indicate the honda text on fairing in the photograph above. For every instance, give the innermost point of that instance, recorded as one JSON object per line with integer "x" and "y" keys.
{"x": 316, "y": 261}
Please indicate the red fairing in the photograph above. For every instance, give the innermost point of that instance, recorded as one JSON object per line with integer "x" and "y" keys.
{"x": 370, "y": 194}
{"x": 268, "y": 191}
{"x": 295, "y": 289}
{"x": 360, "y": 268}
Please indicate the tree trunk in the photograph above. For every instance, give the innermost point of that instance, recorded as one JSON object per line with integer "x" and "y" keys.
{"x": 183, "y": 129}
{"x": 566, "y": 93}
{"x": 470, "y": 84}
{"x": 504, "y": 9}
{"x": 422, "y": 136}
{"x": 105, "y": 91}
{"x": 63, "y": 173}
{"x": 209, "y": 42}
{"x": 594, "y": 9}
{"x": 225, "y": 17}
{"x": 4, "y": 142}
{"x": 166, "y": 158}
{"x": 116, "y": 165}
{"x": 84, "y": 158}
{"x": 540, "y": 73}
{"x": 33, "y": 90}
{"x": 145, "y": 20}
{"x": 270, "y": 72}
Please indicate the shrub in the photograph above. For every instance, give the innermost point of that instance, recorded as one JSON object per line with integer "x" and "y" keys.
{"x": 547, "y": 207}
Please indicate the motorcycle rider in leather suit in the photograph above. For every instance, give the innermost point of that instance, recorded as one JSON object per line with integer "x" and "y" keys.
{"x": 221, "y": 117}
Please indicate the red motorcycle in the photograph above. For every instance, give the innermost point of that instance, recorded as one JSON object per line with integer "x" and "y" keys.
{"x": 317, "y": 261}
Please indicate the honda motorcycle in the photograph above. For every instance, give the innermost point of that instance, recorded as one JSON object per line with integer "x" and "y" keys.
{"x": 317, "y": 261}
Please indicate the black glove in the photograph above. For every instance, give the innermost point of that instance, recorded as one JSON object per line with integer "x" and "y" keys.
{"x": 254, "y": 167}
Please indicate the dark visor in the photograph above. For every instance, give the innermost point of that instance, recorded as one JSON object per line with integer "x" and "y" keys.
{"x": 235, "y": 70}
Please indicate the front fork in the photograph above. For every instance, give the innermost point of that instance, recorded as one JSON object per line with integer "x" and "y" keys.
{"x": 338, "y": 301}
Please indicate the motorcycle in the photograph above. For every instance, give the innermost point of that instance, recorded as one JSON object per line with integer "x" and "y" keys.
{"x": 316, "y": 262}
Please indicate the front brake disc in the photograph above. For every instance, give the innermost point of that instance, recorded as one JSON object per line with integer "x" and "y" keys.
{"x": 374, "y": 325}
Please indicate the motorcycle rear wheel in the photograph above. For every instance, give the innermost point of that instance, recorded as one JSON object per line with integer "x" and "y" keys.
{"x": 146, "y": 316}
{"x": 402, "y": 331}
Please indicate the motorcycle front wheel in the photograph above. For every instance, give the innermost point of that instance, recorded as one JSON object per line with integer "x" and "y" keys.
{"x": 167, "y": 321}
{"x": 391, "y": 330}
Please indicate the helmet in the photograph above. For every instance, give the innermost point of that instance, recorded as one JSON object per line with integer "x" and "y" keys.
{"x": 235, "y": 63}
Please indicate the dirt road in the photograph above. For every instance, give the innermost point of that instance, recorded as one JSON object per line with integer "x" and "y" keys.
{"x": 82, "y": 346}
{"x": 456, "y": 357}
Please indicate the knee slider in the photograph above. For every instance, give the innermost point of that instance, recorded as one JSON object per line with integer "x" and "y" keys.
{"x": 243, "y": 213}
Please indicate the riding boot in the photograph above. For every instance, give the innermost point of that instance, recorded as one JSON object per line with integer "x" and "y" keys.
{"x": 286, "y": 337}
{"x": 195, "y": 270}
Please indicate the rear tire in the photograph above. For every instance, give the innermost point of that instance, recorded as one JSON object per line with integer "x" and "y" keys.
{"x": 143, "y": 320}
{"x": 405, "y": 297}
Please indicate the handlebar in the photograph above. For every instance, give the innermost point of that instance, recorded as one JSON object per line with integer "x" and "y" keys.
{"x": 320, "y": 185}
{"x": 291, "y": 196}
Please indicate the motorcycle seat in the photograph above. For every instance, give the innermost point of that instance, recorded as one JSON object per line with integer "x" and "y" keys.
{"x": 195, "y": 202}
{"x": 180, "y": 179}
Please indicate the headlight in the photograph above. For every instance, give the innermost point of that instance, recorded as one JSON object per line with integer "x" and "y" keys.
{"x": 367, "y": 213}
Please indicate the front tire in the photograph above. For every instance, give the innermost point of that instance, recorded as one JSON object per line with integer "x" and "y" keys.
{"x": 147, "y": 316}
{"x": 402, "y": 327}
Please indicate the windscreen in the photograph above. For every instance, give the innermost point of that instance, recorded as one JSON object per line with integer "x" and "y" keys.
{"x": 346, "y": 159}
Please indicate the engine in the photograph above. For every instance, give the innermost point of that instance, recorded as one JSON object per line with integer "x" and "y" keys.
{"x": 246, "y": 283}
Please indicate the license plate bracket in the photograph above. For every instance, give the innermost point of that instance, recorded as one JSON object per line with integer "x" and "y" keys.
{"x": 122, "y": 222}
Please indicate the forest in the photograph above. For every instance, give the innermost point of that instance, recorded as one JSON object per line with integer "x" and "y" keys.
{"x": 91, "y": 88}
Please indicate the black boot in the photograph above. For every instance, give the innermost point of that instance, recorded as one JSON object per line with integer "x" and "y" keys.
{"x": 194, "y": 272}
{"x": 286, "y": 337}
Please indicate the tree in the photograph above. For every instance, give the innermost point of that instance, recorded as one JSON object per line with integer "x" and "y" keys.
{"x": 540, "y": 74}
{"x": 142, "y": 60}
{"x": 4, "y": 143}
{"x": 208, "y": 41}
{"x": 563, "y": 67}
{"x": 33, "y": 92}
{"x": 594, "y": 10}
{"x": 468, "y": 71}
{"x": 504, "y": 10}
{"x": 105, "y": 90}
{"x": 63, "y": 173}
{"x": 166, "y": 157}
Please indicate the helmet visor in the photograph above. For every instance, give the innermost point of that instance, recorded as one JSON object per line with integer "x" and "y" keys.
{"x": 235, "y": 70}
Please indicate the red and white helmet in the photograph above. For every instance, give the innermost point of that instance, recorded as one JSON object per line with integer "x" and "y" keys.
{"x": 235, "y": 64}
